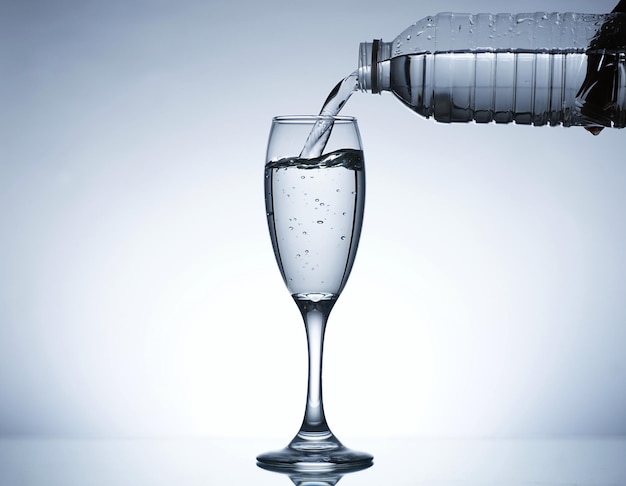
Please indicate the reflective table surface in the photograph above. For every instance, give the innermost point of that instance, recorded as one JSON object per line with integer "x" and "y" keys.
{"x": 399, "y": 462}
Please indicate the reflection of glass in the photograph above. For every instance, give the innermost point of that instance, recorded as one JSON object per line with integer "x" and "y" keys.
{"x": 312, "y": 478}
{"x": 314, "y": 211}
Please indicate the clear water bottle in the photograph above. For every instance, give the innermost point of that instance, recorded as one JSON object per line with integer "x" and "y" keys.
{"x": 541, "y": 68}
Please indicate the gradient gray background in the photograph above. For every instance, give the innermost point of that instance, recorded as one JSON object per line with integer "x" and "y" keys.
{"x": 139, "y": 294}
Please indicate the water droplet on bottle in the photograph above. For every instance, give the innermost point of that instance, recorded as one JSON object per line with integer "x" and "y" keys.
{"x": 343, "y": 237}
{"x": 291, "y": 228}
{"x": 304, "y": 233}
{"x": 319, "y": 221}
{"x": 306, "y": 252}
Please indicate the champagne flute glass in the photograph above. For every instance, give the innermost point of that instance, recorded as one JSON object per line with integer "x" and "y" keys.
{"x": 314, "y": 210}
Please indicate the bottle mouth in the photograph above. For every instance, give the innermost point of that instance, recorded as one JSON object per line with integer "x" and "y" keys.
{"x": 366, "y": 53}
{"x": 372, "y": 72}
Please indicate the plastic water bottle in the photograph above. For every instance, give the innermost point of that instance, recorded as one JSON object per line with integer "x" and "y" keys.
{"x": 540, "y": 68}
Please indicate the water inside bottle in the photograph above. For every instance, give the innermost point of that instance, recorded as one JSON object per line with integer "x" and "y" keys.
{"x": 527, "y": 88}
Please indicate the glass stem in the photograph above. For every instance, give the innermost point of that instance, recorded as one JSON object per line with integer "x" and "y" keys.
{"x": 315, "y": 315}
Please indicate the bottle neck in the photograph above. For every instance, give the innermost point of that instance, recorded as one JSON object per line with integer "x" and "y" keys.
{"x": 374, "y": 66}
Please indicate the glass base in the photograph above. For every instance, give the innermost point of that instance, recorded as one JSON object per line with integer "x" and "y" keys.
{"x": 327, "y": 455}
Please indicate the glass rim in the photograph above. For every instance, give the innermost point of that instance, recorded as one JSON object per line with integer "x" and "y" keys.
{"x": 312, "y": 118}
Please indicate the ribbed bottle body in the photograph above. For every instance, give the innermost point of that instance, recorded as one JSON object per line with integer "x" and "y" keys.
{"x": 540, "y": 68}
{"x": 538, "y": 88}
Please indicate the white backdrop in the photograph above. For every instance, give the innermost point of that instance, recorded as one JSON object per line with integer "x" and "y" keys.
{"x": 139, "y": 294}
